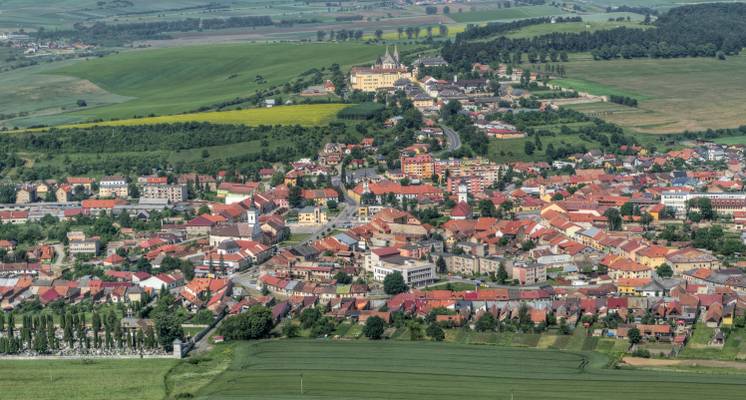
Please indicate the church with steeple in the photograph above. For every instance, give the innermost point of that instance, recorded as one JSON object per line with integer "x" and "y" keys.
{"x": 382, "y": 75}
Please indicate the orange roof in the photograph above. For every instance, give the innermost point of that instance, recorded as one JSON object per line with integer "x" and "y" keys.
{"x": 632, "y": 282}
{"x": 625, "y": 264}
{"x": 654, "y": 251}
{"x": 93, "y": 203}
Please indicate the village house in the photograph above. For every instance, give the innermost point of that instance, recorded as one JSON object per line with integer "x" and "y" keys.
{"x": 690, "y": 258}
{"x": 113, "y": 187}
{"x": 310, "y": 215}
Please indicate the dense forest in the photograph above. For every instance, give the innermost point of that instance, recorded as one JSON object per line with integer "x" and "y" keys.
{"x": 101, "y": 33}
{"x": 704, "y": 30}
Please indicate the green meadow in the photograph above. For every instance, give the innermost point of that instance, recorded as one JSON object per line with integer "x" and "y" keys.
{"x": 425, "y": 370}
{"x": 84, "y": 379}
{"x": 534, "y": 367}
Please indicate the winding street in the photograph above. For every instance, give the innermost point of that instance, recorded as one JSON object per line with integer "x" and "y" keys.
{"x": 452, "y": 138}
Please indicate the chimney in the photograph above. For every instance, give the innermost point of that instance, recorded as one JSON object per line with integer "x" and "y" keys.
{"x": 455, "y": 78}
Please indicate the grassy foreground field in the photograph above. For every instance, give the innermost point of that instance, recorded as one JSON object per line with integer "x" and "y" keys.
{"x": 674, "y": 94}
{"x": 305, "y": 115}
{"x": 362, "y": 369}
{"x": 425, "y": 370}
{"x": 84, "y": 380}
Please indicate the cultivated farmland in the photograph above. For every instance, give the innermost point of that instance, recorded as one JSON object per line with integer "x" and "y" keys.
{"x": 423, "y": 370}
{"x": 512, "y": 13}
{"x": 674, "y": 94}
{"x": 304, "y": 115}
{"x": 173, "y": 80}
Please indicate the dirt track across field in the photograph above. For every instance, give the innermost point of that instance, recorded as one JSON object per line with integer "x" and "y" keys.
{"x": 655, "y": 362}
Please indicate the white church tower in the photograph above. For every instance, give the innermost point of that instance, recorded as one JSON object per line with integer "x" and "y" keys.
{"x": 463, "y": 192}
{"x": 252, "y": 219}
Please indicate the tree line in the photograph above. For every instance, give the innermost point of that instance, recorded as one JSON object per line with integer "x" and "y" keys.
{"x": 632, "y": 9}
{"x": 39, "y": 333}
{"x": 705, "y": 30}
{"x": 102, "y": 33}
{"x": 171, "y": 137}
{"x": 623, "y": 100}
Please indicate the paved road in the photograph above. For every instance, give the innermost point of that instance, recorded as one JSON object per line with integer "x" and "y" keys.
{"x": 340, "y": 221}
{"x": 452, "y": 138}
{"x": 247, "y": 278}
{"x": 60, "y": 250}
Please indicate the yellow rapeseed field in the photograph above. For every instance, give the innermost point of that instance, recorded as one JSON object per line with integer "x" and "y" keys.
{"x": 306, "y": 115}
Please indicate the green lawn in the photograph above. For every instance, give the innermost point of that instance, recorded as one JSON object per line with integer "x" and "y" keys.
{"x": 674, "y": 94}
{"x": 296, "y": 238}
{"x": 426, "y": 370}
{"x": 83, "y": 380}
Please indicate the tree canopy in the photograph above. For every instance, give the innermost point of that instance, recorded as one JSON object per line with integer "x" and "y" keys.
{"x": 394, "y": 283}
{"x": 253, "y": 324}
{"x": 374, "y": 327}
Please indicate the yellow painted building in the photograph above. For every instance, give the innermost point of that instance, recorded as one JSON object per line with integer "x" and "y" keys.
{"x": 312, "y": 216}
{"x": 383, "y": 74}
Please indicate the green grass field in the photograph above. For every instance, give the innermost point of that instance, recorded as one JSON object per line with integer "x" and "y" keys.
{"x": 181, "y": 79}
{"x": 305, "y": 115}
{"x": 513, "y": 149}
{"x": 571, "y": 27}
{"x": 495, "y": 14}
{"x": 166, "y": 81}
{"x": 425, "y": 370}
{"x": 699, "y": 345}
{"x": 731, "y": 140}
{"x": 50, "y": 98}
{"x": 84, "y": 380}
{"x": 674, "y": 94}
{"x": 362, "y": 369}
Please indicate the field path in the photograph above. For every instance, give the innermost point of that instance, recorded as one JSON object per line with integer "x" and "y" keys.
{"x": 654, "y": 362}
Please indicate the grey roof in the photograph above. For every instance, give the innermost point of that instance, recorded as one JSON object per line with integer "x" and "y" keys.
{"x": 228, "y": 245}
{"x": 304, "y": 251}
{"x": 346, "y": 239}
